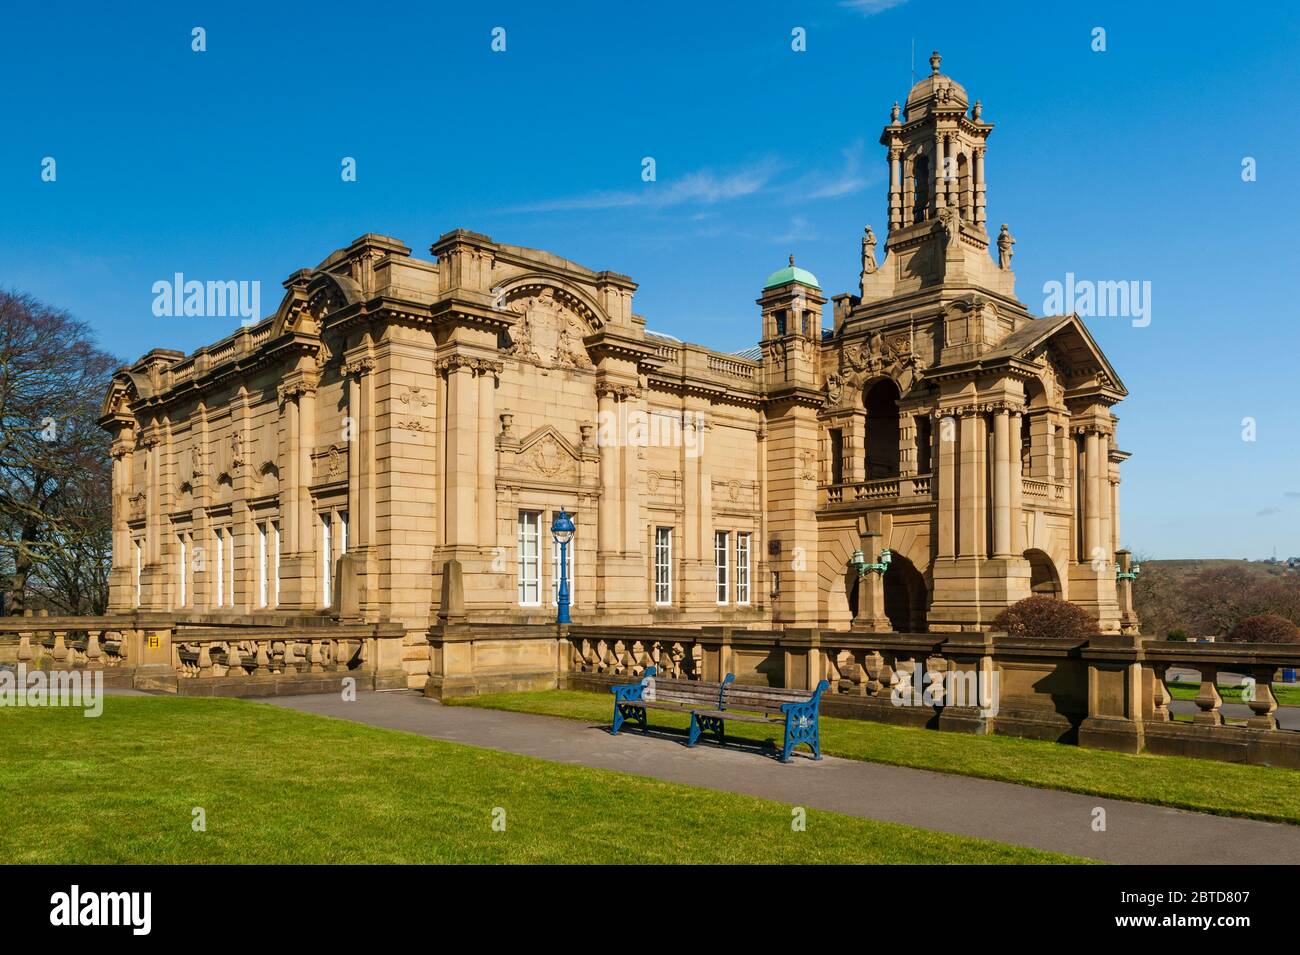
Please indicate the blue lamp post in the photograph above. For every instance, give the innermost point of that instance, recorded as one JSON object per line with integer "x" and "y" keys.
{"x": 562, "y": 532}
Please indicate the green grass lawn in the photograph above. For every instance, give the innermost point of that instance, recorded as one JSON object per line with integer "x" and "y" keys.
{"x": 279, "y": 786}
{"x": 1260, "y": 792}
{"x": 1286, "y": 694}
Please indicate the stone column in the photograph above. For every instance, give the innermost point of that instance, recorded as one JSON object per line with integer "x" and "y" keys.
{"x": 980, "y": 215}
{"x": 940, "y": 186}
{"x": 306, "y": 442}
{"x": 972, "y": 506}
{"x": 487, "y": 453}
{"x": 1104, "y": 540}
{"x": 460, "y": 461}
{"x": 634, "y": 402}
{"x": 895, "y": 188}
{"x": 1017, "y": 488}
{"x": 1092, "y": 538}
{"x": 609, "y": 441}
{"x": 871, "y": 590}
{"x": 947, "y": 477}
{"x": 1002, "y": 476}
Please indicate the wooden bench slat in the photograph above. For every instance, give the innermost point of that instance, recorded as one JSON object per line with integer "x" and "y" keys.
{"x": 742, "y": 717}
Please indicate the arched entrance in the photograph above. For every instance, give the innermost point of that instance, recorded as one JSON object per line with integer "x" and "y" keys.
{"x": 1043, "y": 578}
{"x": 881, "y": 403}
{"x": 907, "y": 599}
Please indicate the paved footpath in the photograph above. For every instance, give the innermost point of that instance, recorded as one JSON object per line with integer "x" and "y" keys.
{"x": 1005, "y": 812}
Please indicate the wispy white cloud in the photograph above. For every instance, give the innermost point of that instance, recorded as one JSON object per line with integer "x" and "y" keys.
{"x": 703, "y": 187}
{"x": 699, "y": 191}
{"x": 869, "y": 8}
{"x": 847, "y": 180}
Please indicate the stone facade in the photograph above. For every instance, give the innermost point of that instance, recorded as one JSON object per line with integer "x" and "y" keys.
{"x": 401, "y": 420}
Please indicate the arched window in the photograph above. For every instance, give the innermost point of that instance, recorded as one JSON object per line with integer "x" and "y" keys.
{"x": 921, "y": 196}
{"x": 964, "y": 197}
{"x": 881, "y": 403}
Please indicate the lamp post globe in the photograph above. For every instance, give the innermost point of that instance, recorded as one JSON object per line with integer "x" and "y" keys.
{"x": 562, "y": 531}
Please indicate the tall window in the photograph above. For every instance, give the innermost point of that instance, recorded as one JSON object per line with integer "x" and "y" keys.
{"x": 138, "y": 548}
{"x": 743, "y": 540}
{"x": 263, "y": 562}
{"x": 275, "y": 590}
{"x": 663, "y": 565}
{"x": 230, "y": 567}
{"x": 572, "y": 568}
{"x": 530, "y": 558}
{"x": 218, "y": 589}
{"x": 327, "y": 554}
{"x": 722, "y": 563}
{"x": 343, "y": 532}
{"x": 184, "y": 569}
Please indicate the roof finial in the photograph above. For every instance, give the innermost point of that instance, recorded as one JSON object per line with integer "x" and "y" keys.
{"x": 935, "y": 60}
{"x": 893, "y": 113}
{"x": 792, "y": 258}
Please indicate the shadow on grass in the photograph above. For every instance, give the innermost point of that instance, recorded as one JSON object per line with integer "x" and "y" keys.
{"x": 769, "y": 748}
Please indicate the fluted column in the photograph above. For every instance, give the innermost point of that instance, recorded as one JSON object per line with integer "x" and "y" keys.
{"x": 980, "y": 212}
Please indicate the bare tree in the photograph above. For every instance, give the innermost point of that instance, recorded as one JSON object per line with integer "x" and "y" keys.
{"x": 54, "y": 498}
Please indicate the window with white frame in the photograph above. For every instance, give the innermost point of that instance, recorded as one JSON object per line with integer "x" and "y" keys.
{"x": 722, "y": 563}
{"x": 530, "y": 558}
{"x": 327, "y": 559}
{"x": 219, "y": 553}
{"x": 263, "y": 563}
{"x": 230, "y": 567}
{"x": 275, "y": 590}
{"x": 744, "y": 541}
{"x": 183, "y": 593}
{"x": 572, "y": 566}
{"x": 663, "y": 565}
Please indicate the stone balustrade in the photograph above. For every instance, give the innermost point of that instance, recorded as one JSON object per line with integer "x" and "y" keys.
{"x": 1109, "y": 692}
{"x": 160, "y": 652}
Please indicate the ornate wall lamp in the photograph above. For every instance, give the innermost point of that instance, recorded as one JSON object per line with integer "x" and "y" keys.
{"x": 864, "y": 568}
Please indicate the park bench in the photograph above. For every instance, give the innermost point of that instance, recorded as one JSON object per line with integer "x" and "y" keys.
{"x": 711, "y": 705}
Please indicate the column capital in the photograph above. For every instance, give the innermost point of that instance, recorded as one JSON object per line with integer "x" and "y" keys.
{"x": 358, "y": 367}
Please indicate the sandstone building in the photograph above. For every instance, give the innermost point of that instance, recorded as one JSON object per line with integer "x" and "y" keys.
{"x": 400, "y": 416}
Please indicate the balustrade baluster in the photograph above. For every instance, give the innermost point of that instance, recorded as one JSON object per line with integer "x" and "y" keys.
{"x": 1208, "y": 698}
{"x": 1264, "y": 704}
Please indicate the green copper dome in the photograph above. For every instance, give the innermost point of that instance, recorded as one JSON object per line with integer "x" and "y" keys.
{"x": 791, "y": 273}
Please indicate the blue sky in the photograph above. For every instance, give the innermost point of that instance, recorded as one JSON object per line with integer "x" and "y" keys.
{"x": 1122, "y": 165}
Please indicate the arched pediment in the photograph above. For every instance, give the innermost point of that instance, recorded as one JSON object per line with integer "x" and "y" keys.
{"x": 567, "y": 295}
{"x": 309, "y": 297}
{"x": 553, "y": 319}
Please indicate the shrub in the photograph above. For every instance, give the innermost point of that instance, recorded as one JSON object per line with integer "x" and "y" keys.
{"x": 1264, "y": 628}
{"x": 1046, "y": 618}
{"x": 1180, "y": 635}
